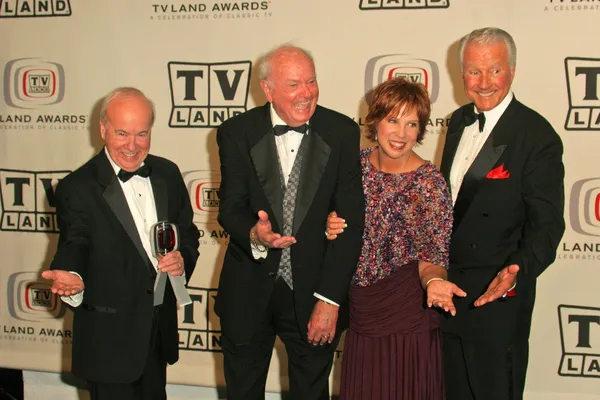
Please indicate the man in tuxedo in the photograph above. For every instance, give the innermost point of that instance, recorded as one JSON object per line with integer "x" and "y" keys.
{"x": 124, "y": 326}
{"x": 285, "y": 166}
{"x": 503, "y": 164}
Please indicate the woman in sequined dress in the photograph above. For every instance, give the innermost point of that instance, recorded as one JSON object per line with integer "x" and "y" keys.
{"x": 393, "y": 347}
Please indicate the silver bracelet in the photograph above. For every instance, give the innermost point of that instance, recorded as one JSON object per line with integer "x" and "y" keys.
{"x": 254, "y": 243}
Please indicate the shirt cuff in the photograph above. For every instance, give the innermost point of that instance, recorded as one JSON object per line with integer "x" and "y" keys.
{"x": 510, "y": 290}
{"x": 74, "y": 300}
{"x": 325, "y": 299}
{"x": 257, "y": 254}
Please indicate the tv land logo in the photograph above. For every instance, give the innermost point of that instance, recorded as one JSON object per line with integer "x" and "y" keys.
{"x": 390, "y": 66}
{"x": 199, "y": 327}
{"x": 582, "y": 88}
{"x": 402, "y": 4}
{"x": 28, "y": 200}
{"x": 203, "y": 187}
{"x": 211, "y": 10}
{"x": 34, "y": 8}
{"x": 584, "y": 208}
{"x": 580, "y": 340}
{"x": 204, "y": 95}
{"x": 31, "y": 82}
{"x": 29, "y": 298}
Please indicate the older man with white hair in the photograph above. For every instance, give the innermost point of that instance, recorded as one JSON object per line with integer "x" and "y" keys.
{"x": 503, "y": 164}
{"x": 285, "y": 166}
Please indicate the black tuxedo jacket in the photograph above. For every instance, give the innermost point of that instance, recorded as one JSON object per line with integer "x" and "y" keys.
{"x": 98, "y": 240}
{"x": 330, "y": 180}
{"x": 498, "y": 222}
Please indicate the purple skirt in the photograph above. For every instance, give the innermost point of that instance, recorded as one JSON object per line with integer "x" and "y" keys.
{"x": 393, "y": 347}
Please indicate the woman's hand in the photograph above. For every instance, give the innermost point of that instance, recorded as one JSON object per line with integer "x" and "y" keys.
{"x": 440, "y": 293}
{"x": 335, "y": 225}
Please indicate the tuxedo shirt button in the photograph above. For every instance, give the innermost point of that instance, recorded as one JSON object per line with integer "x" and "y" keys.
{"x": 473, "y": 246}
{"x": 149, "y": 291}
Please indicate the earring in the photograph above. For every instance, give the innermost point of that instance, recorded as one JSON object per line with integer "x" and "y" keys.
{"x": 375, "y": 138}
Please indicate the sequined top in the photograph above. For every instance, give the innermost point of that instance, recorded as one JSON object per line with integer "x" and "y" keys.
{"x": 408, "y": 217}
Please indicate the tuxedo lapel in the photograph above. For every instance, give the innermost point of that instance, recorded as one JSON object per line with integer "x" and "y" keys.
{"x": 488, "y": 156}
{"x": 453, "y": 136}
{"x": 313, "y": 165}
{"x": 263, "y": 152}
{"x": 485, "y": 160}
{"x": 115, "y": 198}
{"x": 452, "y": 141}
{"x": 264, "y": 156}
{"x": 159, "y": 190}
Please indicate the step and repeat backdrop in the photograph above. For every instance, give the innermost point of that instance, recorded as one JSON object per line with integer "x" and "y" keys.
{"x": 196, "y": 60}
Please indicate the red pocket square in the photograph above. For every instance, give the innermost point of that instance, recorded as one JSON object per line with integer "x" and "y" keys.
{"x": 498, "y": 173}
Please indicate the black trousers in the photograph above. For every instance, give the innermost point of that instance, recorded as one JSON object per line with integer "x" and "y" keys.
{"x": 484, "y": 370}
{"x": 150, "y": 386}
{"x": 247, "y": 365}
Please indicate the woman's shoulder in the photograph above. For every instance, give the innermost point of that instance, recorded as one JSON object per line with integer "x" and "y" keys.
{"x": 431, "y": 175}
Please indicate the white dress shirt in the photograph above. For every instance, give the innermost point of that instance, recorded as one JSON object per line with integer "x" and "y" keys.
{"x": 471, "y": 143}
{"x": 140, "y": 199}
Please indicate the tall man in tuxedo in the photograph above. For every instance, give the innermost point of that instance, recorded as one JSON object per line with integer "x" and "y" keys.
{"x": 503, "y": 164}
{"x": 285, "y": 166}
{"x": 124, "y": 331}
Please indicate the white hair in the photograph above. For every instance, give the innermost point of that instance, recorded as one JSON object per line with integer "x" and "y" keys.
{"x": 266, "y": 63}
{"x": 487, "y": 36}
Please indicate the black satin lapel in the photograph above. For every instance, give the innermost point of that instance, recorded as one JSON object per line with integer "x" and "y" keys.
{"x": 161, "y": 199}
{"x": 483, "y": 163}
{"x": 452, "y": 141}
{"x": 266, "y": 163}
{"x": 104, "y": 171}
{"x": 314, "y": 162}
{"x": 114, "y": 196}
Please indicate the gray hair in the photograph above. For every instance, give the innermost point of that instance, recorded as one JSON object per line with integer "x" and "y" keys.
{"x": 266, "y": 63}
{"x": 125, "y": 91}
{"x": 487, "y": 36}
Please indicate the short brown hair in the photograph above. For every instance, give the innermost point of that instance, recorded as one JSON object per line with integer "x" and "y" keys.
{"x": 393, "y": 95}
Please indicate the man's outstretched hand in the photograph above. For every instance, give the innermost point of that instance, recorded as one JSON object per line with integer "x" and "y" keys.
{"x": 505, "y": 280}
{"x": 265, "y": 235}
{"x": 64, "y": 283}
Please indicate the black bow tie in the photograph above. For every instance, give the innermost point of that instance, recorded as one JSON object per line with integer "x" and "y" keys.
{"x": 279, "y": 130}
{"x": 470, "y": 117}
{"x": 143, "y": 171}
